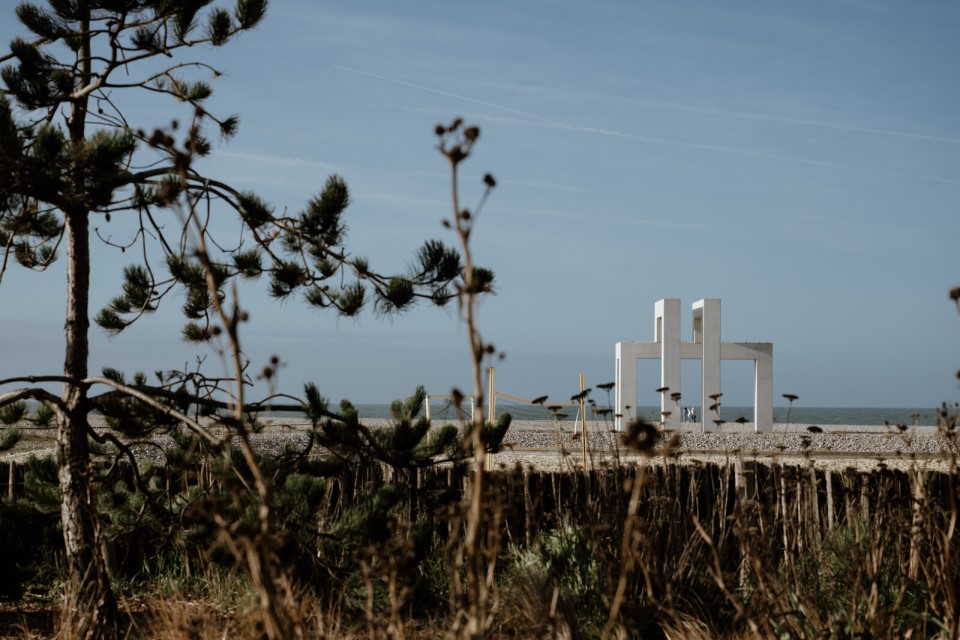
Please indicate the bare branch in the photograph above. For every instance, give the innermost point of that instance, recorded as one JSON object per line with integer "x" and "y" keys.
{"x": 160, "y": 392}
{"x": 36, "y": 379}
{"x": 48, "y": 399}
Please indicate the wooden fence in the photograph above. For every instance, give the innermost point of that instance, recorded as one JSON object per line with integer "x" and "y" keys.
{"x": 813, "y": 502}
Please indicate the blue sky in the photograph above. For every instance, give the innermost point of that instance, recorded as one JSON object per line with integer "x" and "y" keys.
{"x": 799, "y": 161}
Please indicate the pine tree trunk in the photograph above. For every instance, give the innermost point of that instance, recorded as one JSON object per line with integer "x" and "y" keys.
{"x": 89, "y": 608}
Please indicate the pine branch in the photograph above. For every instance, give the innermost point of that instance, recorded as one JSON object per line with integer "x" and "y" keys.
{"x": 190, "y": 423}
{"x": 122, "y": 451}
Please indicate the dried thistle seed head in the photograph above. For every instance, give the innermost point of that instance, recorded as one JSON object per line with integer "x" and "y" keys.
{"x": 456, "y": 154}
{"x": 641, "y": 436}
{"x": 489, "y": 181}
{"x": 455, "y": 124}
{"x": 439, "y": 130}
{"x": 471, "y": 133}
{"x": 955, "y": 294}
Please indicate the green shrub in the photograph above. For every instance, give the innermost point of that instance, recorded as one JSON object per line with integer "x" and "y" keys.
{"x": 30, "y": 549}
{"x": 42, "y": 416}
{"x": 13, "y": 412}
{"x": 8, "y": 438}
{"x": 554, "y": 587}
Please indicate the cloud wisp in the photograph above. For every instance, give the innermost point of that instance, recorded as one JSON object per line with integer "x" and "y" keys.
{"x": 535, "y": 119}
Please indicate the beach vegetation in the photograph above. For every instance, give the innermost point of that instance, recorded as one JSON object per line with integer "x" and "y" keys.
{"x": 372, "y": 555}
{"x": 79, "y": 174}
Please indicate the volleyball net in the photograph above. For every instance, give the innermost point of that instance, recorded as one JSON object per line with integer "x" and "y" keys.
{"x": 536, "y": 409}
{"x": 449, "y": 409}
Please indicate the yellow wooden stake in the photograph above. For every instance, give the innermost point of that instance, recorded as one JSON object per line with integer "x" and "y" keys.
{"x": 583, "y": 421}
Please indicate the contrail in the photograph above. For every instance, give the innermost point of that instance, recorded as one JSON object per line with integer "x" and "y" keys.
{"x": 450, "y": 95}
{"x": 646, "y": 103}
{"x": 756, "y": 154}
{"x": 662, "y": 141}
{"x": 288, "y": 160}
{"x": 840, "y": 127}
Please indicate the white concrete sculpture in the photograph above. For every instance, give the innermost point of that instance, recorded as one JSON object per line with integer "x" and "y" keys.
{"x": 707, "y": 348}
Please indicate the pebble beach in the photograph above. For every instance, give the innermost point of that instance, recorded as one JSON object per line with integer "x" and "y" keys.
{"x": 862, "y": 447}
{"x": 550, "y": 446}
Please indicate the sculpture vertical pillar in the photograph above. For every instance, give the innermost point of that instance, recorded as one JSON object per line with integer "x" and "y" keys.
{"x": 706, "y": 332}
{"x": 626, "y": 386}
{"x": 763, "y": 392}
{"x": 667, "y": 333}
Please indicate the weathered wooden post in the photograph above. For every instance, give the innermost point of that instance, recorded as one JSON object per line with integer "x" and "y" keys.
{"x": 828, "y": 480}
{"x": 918, "y": 494}
{"x": 814, "y": 506}
{"x": 12, "y": 482}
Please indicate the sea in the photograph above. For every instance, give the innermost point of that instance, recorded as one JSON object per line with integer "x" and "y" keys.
{"x": 808, "y": 416}
{"x": 802, "y": 416}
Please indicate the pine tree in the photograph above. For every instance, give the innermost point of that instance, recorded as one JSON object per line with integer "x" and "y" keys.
{"x": 68, "y": 157}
